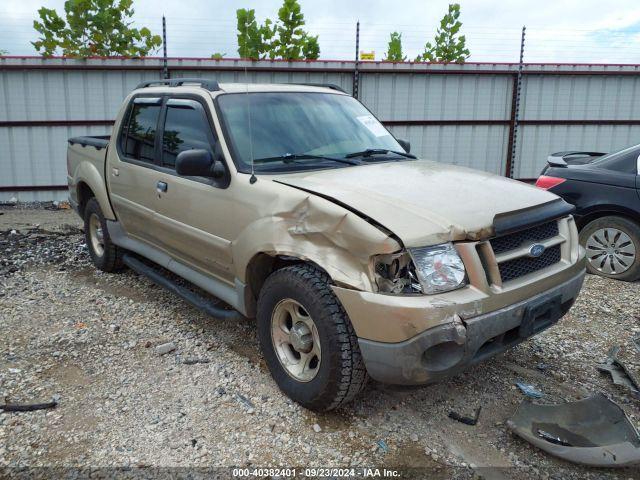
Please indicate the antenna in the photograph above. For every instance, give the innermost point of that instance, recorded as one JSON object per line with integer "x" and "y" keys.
{"x": 253, "y": 179}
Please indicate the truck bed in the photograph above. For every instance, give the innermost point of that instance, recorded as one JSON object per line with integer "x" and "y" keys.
{"x": 86, "y": 160}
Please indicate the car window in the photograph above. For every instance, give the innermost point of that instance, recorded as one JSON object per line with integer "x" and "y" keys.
{"x": 625, "y": 161}
{"x": 140, "y": 132}
{"x": 273, "y": 124}
{"x": 185, "y": 128}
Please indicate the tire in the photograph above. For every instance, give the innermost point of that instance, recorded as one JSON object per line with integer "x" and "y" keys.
{"x": 613, "y": 248}
{"x": 340, "y": 373}
{"x": 105, "y": 255}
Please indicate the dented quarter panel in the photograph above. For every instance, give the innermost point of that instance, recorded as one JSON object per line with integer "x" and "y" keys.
{"x": 421, "y": 201}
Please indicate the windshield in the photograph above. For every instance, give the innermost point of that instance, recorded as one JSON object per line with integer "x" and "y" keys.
{"x": 284, "y": 126}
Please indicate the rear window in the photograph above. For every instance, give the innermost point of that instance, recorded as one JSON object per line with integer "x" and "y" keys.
{"x": 625, "y": 161}
{"x": 139, "y": 134}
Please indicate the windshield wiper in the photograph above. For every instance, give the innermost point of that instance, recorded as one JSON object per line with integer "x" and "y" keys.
{"x": 292, "y": 157}
{"x": 377, "y": 151}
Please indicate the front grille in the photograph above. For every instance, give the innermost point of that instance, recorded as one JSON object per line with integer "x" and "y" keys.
{"x": 515, "y": 240}
{"x": 512, "y": 269}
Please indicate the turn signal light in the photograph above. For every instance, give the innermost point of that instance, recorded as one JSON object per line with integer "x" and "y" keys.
{"x": 546, "y": 183}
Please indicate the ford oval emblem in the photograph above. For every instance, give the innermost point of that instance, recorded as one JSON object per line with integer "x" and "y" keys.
{"x": 536, "y": 250}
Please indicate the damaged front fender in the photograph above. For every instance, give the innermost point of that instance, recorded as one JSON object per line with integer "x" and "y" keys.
{"x": 293, "y": 223}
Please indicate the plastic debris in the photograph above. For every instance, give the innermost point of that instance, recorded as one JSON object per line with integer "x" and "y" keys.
{"x": 382, "y": 445}
{"x": 466, "y": 420}
{"x": 245, "y": 401}
{"x": 28, "y": 407}
{"x": 529, "y": 390}
{"x": 543, "y": 367}
{"x": 594, "y": 431}
{"x": 194, "y": 360}
{"x": 619, "y": 372}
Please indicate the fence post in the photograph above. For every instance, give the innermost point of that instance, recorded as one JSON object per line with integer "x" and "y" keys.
{"x": 515, "y": 110}
{"x": 165, "y": 67}
{"x": 356, "y": 76}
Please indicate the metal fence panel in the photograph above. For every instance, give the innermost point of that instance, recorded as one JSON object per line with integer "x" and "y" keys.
{"x": 580, "y": 97}
{"x": 460, "y": 114}
{"x": 48, "y": 95}
{"x": 482, "y": 147}
{"x": 436, "y": 97}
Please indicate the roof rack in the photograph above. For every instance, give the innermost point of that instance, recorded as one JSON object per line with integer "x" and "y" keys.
{"x": 210, "y": 85}
{"x": 332, "y": 86}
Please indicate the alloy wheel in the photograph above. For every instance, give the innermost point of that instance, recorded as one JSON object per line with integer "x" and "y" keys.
{"x": 295, "y": 340}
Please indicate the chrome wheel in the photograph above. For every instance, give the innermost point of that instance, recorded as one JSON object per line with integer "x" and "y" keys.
{"x": 295, "y": 340}
{"x": 610, "y": 251}
{"x": 96, "y": 235}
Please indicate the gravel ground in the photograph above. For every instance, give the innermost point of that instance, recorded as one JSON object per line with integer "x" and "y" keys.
{"x": 89, "y": 340}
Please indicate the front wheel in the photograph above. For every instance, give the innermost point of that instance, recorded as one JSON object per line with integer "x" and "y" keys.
{"x": 307, "y": 339}
{"x": 613, "y": 248}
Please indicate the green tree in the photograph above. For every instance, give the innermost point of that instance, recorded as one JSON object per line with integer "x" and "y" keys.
{"x": 250, "y": 35}
{"x": 93, "y": 28}
{"x": 4, "y": 52}
{"x": 285, "y": 38}
{"x": 448, "y": 46}
{"x": 394, "y": 50}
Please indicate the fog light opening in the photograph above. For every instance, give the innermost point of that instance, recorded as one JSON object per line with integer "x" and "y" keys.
{"x": 442, "y": 356}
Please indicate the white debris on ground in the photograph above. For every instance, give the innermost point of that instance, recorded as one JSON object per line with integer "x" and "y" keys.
{"x": 144, "y": 379}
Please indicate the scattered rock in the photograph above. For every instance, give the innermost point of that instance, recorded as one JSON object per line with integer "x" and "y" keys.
{"x": 317, "y": 428}
{"x": 165, "y": 348}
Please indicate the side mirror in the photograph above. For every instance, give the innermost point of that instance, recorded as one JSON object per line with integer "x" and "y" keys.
{"x": 404, "y": 144}
{"x": 194, "y": 163}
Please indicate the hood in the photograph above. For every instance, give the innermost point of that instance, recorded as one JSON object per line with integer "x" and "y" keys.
{"x": 423, "y": 202}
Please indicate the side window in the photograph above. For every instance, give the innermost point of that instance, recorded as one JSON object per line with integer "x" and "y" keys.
{"x": 186, "y": 127}
{"x": 140, "y": 133}
{"x": 625, "y": 161}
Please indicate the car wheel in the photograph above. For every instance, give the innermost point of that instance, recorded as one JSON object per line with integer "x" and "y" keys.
{"x": 613, "y": 248}
{"x": 307, "y": 339}
{"x": 105, "y": 255}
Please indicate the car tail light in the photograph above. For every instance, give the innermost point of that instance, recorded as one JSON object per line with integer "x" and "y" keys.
{"x": 546, "y": 182}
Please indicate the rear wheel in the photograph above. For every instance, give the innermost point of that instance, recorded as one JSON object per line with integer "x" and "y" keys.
{"x": 613, "y": 248}
{"x": 307, "y": 339}
{"x": 106, "y": 256}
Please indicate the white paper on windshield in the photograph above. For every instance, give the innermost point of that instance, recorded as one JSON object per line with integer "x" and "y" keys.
{"x": 373, "y": 125}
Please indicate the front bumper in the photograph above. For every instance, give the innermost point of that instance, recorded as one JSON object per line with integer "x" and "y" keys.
{"x": 446, "y": 349}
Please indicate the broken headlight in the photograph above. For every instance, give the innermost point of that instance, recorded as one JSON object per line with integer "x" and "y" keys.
{"x": 395, "y": 273}
{"x": 439, "y": 268}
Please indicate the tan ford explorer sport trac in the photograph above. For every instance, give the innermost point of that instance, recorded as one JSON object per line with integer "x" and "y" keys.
{"x": 294, "y": 205}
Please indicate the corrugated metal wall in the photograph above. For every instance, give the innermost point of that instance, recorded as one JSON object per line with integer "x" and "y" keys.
{"x": 461, "y": 114}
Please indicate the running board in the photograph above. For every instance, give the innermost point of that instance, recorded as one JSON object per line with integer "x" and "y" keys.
{"x": 183, "y": 292}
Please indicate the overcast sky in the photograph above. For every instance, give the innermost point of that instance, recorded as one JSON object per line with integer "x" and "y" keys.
{"x": 557, "y": 30}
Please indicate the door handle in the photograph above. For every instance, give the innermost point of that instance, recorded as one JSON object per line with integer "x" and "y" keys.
{"x": 161, "y": 187}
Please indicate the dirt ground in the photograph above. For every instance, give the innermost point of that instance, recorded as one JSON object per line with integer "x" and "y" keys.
{"x": 89, "y": 339}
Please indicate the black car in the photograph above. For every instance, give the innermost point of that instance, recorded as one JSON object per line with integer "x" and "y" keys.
{"x": 605, "y": 190}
